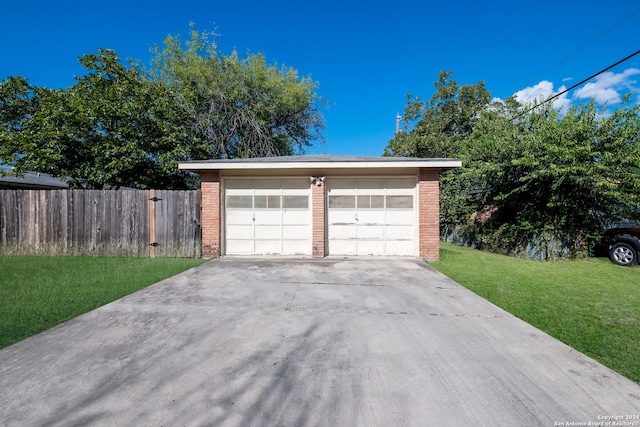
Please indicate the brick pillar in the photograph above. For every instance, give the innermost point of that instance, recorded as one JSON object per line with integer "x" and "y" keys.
{"x": 210, "y": 214}
{"x": 318, "y": 220}
{"x": 429, "y": 213}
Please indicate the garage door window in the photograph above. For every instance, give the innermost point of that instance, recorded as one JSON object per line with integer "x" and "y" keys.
{"x": 266, "y": 202}
{"x": 295, "y": 202}
{"x": 371, "y": 202}
{"x": 342, "y": 202}
{"x": 399, "y": 202}
{"x": 240, "y": 202}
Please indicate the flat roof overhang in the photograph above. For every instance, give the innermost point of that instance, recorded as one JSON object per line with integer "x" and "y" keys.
{"x": 321, "y": 162}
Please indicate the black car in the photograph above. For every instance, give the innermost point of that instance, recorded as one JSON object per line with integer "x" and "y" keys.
{"x": 623, "y": 245}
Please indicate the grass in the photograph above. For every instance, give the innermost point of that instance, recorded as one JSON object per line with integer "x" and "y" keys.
{"x": 39, "y": 292}
{"x": 590, "y": 304}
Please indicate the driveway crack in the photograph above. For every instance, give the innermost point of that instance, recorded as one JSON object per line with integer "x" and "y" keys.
{"x": 288, "y": 307}
{"x": 334, "y": 284}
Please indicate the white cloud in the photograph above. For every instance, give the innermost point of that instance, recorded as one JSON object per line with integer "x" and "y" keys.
{"x": 541, "y": 92}
{"x": 608, "y": 87}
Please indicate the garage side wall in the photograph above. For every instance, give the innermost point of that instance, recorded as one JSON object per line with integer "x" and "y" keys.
{"x": 429, "y": 213}
{"x": 210, "y": 214}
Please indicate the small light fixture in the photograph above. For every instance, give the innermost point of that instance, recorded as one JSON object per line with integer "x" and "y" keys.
{"x": 318, "y": 180}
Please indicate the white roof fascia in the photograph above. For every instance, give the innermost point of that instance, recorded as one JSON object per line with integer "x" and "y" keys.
{"x": 436, "y": 163}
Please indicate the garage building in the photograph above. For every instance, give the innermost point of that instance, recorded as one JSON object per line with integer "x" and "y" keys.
{"x": 319, "y": 205}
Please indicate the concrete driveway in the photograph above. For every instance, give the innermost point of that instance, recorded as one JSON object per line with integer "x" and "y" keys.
{"x": 298, "y": 342}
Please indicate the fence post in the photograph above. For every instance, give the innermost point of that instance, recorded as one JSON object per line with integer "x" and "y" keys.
{"x": 152, "y": 223}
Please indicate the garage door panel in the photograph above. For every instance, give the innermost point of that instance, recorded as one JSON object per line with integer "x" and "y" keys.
{"x": 239, "y": 217}
{"x": 295, "y": 217}
{"x": 399, "y": 247}
{"x": 295, "y": 247}
{"x": 240, "y": 231}
{"x": 267, "y": 231}
{"x": 273, "y": 185}
{"x": 268, "y": 217}
{"x": 237, "y": 246}
{"x": 370, "y": 247}
{"x": 342, "y": 232}
{"x": 400, "y": 232}
{"x": 342, "y": 217}
{"x": 368, "y": 186}
{"x": 342, "y": 247}
{"x": 400, "y": 185}
{"x": 296, "y": 232}
{"x": 239, "y": 184}
{"x": 268, "y": 247}
{"x": 370, "y": 232}
{"x": 342, "y": 186}
{"x": 399, "y": 217}
{"x": 373, "y": 217}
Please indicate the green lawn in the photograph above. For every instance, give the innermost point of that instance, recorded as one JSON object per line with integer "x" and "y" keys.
{"x": 590, "y": 304}
{"x": 39, "y": 292}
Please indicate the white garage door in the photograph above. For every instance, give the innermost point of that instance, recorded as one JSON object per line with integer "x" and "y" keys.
{"x": 371, "y": 216}
{"x": 267, "y": 216}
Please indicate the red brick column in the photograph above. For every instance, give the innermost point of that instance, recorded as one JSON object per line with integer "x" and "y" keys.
{"x": 429, "y": 213}
{"x": 210, "y": 214}
{"x": 318, "y": 220}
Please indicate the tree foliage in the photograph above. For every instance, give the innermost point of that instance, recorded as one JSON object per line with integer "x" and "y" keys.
{"x": 239, "y": 107}
{"x": 559, "y": 176}
{"x": 437, "y": 128}
{"x": 532, "y": 180}
{"x": 112, "y": 128}
{"x": 123, "y": 125}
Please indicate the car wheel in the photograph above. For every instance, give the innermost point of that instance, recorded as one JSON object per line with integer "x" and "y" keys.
{"x": 623, "y": 254}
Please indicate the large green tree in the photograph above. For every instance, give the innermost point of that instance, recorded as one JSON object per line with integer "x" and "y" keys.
{"x": 534, "y": 182}
{"x": 122, "y": 124}
{"x": 112, "y": 128}
{"x": 238, "y": 107}
{"x": 436, "y": 128}
{"x": 552, "y": 177}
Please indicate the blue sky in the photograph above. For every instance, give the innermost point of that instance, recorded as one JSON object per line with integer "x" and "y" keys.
{"x": 365, "y": 55}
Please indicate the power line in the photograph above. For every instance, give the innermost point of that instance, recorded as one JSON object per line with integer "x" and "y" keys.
{"x": 578, "y": 84}
{"x": 629, "y": 15}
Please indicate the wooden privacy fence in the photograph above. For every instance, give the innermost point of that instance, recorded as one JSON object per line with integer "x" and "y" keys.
{"x": 159, "y": 223}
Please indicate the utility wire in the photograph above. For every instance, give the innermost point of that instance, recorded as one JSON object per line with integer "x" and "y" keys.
{"x": 629, "y": 15}
{"x": 578, "y": 84}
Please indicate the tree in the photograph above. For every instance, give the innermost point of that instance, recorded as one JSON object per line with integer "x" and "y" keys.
{"x": 558, "y": 177}
{"x": 124, "y": 125}
{"x": 112, "y": 128}
{"x": 540, "y": 180}
{"x": 238, "y": 107}
{"x": 437, "y": 127}
{"x": 17, "y": 103}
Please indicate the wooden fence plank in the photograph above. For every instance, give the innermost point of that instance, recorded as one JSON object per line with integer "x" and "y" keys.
{"x": 99, "y": 222}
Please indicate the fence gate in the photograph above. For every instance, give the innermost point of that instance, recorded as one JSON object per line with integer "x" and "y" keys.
{"x": 174, "y": 226}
